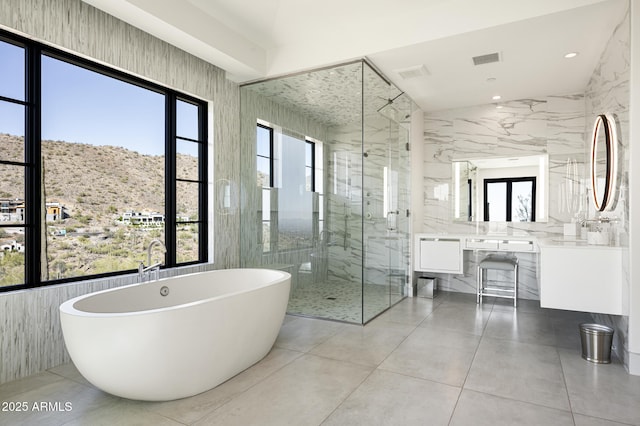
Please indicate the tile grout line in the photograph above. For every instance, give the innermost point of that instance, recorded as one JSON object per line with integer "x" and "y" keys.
{"x": 253, "y": 385}
{"x": 475, "y": 353}
{"x": 566, "y": 387}
{"x": 377, "y": 367}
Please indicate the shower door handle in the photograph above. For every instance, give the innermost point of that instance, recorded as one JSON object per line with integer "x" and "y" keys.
{"x": 392, "y": 220}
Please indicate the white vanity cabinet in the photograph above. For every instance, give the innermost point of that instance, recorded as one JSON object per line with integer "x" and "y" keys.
{"x": 581, "y": 278}
{"x": 439, "y": 254}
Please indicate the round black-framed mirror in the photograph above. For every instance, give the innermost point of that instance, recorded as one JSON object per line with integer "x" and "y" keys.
{"x": 603, "y": 160}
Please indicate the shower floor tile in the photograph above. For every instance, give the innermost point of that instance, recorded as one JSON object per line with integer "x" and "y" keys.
{"x": 340, "y": 301}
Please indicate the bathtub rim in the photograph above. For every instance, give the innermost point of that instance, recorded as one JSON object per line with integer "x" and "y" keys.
{"x": 68, "y": 307}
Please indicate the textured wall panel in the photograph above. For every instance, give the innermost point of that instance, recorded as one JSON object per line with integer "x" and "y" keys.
{"x": 30, "y": 334}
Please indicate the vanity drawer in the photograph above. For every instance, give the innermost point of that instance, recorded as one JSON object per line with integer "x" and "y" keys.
{"x": 516, "y": 245}
{"x": 440, "y": 255}
{"x": 482, "y": 244}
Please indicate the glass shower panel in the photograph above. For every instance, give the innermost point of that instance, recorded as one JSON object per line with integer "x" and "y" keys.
{"x": 343, "y": 195}
{"x": 399, "y": 162}
{"x": 385, "y": 202}
{"x": 327, "y": 202}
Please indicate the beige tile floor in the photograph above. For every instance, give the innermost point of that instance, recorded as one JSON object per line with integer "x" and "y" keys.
{"x": 424, "y": 362}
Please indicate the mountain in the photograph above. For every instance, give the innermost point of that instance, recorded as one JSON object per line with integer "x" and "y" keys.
{"x": 96, "y": 185}
{"x": 97, "y": 181}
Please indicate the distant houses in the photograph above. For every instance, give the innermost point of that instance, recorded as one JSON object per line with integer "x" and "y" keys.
{"x": 12, "y": 245}
{"x": 56, "y": 212}
{"x": 13, "y": 210}
{"x": 142, "y": 218}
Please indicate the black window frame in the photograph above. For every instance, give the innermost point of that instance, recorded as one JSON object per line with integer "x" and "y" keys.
{"x": 509, "y": 202}
{"x": 270, "y": 185}
{"x": 469, "y": 200}
{"x": 312, "y": 146}
{"x": 270, "y": 158}
{"x": 33, "y": 162}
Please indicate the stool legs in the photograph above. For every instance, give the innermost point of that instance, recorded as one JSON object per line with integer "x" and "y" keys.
{"x": 515, "y": 286}
{"x": 481, "y": 275}
{"x": 479, "y": 285}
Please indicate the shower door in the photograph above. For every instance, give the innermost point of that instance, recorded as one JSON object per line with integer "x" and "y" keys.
{"x": 386, "y": 196}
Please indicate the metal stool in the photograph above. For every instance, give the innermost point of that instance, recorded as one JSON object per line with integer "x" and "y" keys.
{"x": 501, "y": 263}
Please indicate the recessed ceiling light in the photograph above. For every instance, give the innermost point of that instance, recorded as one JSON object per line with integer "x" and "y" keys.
{"x": 571, "y": 55}
{"x": 496, "y": 97}
{"x": 498, "y": 106}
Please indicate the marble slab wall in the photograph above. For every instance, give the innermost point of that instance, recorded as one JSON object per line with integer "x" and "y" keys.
{"x": 30, "y": 335}
{"x": 552, "y": 125}
{"x": 608, "y": 91}
{"x": 559, "y": 126}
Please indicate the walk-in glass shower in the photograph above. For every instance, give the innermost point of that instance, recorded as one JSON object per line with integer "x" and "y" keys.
{"x": 325, "y": 188}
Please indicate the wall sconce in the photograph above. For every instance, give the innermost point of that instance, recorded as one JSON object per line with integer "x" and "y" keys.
{"x": 226, "y": 193}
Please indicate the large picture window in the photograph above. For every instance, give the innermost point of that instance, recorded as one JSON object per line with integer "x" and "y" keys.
{"x": 96, "y": 164}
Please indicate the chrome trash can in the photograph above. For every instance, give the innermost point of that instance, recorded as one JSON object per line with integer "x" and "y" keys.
{"x": 427, "y": 287}
{"x": 596, "y": 342}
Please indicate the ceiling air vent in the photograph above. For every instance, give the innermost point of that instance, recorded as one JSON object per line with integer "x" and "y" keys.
{"x": 413, "y": 72}
{"x": 486, "y": 59}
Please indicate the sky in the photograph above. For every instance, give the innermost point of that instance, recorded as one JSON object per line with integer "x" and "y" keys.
{"x": 82, "y": 106}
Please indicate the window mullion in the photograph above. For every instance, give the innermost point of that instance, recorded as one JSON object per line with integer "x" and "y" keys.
{"x": 33, "y": 175}
{"x": 509, "y": 200}
{"x": 202, "y": 175}
{"x": 170, "y": 179}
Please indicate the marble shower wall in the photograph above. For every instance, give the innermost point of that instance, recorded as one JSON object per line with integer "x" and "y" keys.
{"x": 552, "y": 125}
{"x": 608, "y": 91}
{"x": 358, "y": 154}
{"x": 30, "y": 335}
{"x": 356, "y": 201}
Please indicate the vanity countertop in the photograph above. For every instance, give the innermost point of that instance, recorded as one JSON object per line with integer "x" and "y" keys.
{"x": 572, "y": 242}
{"x": 487, "y": 242}
{"x": 488, "y": 236}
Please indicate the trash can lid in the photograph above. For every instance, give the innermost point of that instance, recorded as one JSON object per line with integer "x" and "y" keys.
{"x": 595, "y": 329}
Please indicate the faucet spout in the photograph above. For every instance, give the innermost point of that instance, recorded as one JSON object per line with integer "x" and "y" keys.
{"x": 143, "y": 270}
{"x": 151, "y": 245}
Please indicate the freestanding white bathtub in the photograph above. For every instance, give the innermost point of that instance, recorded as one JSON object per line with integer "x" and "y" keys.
{"x": 136, "y": 343}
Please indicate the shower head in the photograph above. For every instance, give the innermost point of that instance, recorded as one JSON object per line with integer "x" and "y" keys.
{"x": 389, "y": 102}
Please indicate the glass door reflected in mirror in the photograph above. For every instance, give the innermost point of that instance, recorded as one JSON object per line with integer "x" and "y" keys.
{"x": 495, "y": 205}
{"x": 501, "y": 189}
{"x": 510, "y": 199}
{"x": 523, "y": 200}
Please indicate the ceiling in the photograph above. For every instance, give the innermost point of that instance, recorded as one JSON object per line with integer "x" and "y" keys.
{"x": 334, "y": 96}
{"x": 257, "y": 39}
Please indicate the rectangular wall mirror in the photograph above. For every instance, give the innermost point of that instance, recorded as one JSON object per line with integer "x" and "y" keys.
{"x": 508, "y": 189}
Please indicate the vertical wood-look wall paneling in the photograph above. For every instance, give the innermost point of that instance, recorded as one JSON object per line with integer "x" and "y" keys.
{"x": 30, "y": 335}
